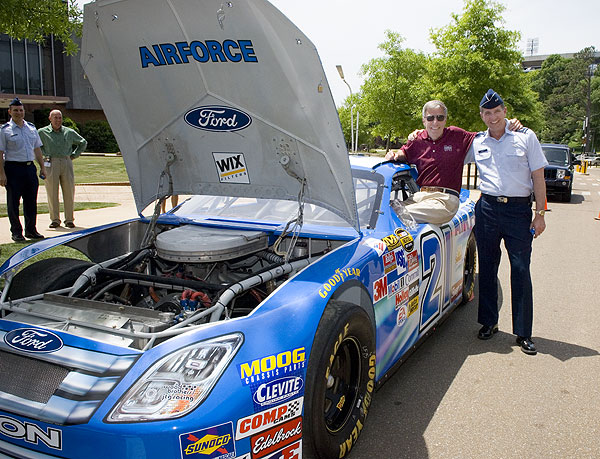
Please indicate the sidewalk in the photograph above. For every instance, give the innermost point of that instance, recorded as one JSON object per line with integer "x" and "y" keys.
{"x": 121, "y": 195}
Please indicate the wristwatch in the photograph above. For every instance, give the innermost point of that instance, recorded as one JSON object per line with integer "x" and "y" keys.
{"x": 540, "y": 212}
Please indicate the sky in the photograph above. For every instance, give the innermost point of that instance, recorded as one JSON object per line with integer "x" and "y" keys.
{"x": 348, "y": 32}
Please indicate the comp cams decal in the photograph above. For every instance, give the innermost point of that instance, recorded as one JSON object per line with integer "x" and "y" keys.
{"x": 213, "y": 443}
{"x": 269, "y": 418}
{"x": 231, "y": 167}
{"x": 33, "y": 340}
{"x": 200, "y": 51}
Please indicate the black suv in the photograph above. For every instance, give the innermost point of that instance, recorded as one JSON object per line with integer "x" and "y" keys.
{"x": 559, "y": 172}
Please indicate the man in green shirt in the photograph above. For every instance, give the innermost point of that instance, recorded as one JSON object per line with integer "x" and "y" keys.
{"x": 58, "y": 142}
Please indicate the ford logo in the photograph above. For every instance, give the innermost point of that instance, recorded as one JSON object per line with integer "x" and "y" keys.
{"x": 277, "y": 391}
{"x": 33, "y": 340}
{"x": 219, "y": 119}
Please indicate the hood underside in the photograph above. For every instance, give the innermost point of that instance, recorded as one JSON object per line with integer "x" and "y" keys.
{"x": 230, "y": 95}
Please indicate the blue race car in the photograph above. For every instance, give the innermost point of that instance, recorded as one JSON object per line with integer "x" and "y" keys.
{"x": 257, "y": 319}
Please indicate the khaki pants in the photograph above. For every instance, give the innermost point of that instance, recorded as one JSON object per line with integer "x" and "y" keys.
{"x": 432, "y": 207}
{"x": 60, "y": 172}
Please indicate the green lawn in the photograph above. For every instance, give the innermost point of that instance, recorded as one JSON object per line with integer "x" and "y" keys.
{"x": 42, "y": 207}
{"x": 99, "y": 169}
{"x": 7, "y": 250}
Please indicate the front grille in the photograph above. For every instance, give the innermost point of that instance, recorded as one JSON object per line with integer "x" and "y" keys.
{"x": 550, "y": 174}
{"x": 35, "y": 380}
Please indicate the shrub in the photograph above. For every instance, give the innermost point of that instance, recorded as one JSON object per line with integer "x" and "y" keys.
{"x": 40, "y": 119}
{"x": 99, "y": 137}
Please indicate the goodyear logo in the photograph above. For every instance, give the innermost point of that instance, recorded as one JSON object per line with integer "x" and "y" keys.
{"x": 272, "y": 365}
{"x": 200, "y": 51}
{"x": 212, "y": 443}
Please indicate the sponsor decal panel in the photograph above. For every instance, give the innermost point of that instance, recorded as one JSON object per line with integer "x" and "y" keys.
{"x": 30, "y": 433}
{"x": 391, "y": 242}
{"x": 401, "y": 262}
{"x": 401, "y": 316}
{"x": 212, "y": 443}
{"x": 375, "y": 244}
{"x": 389, "y": 262}
{"x": 264, "y": 420}
{"x": 273, "y": 439}
{"x": 412, "y": 277}
{"x": 231, "y": 167}
{"x": 33, "y": 340}
{"x": 401, "y": 298}
{"x": 405, "y": 238}
{"x": 457, "y": 290}
{"x": 396, "y": 286}
{"x": 272, "y": 366}
{"x": 380, "y": 289}
{"x": 413, "y": 261}
{"x": 217, "y": 118}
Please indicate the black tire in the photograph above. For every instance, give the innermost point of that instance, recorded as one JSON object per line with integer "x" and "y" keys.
{"x": 339, "y": 382}
{"x": 566, "y": 197}
{"x": 469, "y": 270}
{"x": 45, "y": 276}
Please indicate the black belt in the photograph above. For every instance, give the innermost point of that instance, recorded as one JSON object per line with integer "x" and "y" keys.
{"x": 440, "y": 189}
{"x": 507, "y": 199}
{"x": 19, "y": 163}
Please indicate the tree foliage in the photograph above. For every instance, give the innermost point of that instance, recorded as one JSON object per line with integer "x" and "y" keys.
{"x": 563, "y": 86}
{"x": 36, "y": 19}
{"x": 390, "y": 93}
{"x": 475, "y": 53}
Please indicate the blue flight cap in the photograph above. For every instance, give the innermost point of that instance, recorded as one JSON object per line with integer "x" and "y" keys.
{"x": 15, "y": 101}
{"x": 491, "y": 99}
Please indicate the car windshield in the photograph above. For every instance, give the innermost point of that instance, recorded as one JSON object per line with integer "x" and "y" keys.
{"x": 368, "y": 197}
{"x": 556, "y": 155}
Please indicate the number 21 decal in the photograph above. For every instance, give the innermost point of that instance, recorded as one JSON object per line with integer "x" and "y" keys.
{"x": 431, "y": 274}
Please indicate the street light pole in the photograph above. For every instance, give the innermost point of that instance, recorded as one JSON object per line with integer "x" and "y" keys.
{"x": 588, "y": 108}
{"x": 341, "y": 72}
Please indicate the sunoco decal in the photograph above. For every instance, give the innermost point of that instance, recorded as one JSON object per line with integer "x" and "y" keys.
{"x": 33, "y": 340}
{"x": 231, "y": 167}
{"x": 268, "y": 418}
{"x": 218, "y": 119}
{"x": 212, "y": 443}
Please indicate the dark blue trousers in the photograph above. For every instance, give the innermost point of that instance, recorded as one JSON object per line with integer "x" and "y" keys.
{"x": 510, "y": 221}
{"x": 21, "y": 182}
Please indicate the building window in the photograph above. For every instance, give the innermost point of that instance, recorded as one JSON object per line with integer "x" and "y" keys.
{"x": 33, "y": 67}
{"x": 6, "y": 75}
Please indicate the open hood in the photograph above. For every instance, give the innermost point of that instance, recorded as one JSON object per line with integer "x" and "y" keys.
{"x": 230, "y": 93}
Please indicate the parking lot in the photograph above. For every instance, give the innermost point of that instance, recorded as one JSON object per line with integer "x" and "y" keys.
{"x": 459, "y": 397}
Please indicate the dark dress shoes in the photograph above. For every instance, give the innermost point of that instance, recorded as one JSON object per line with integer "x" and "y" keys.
{"x": 18, "y": 238}
{"x": 527, "y": 345}
{"x": 70, "y": 225}
{"x": 54, "y": 225}
{"x": 487, "y": 331}
{"x": 34, "y": 235}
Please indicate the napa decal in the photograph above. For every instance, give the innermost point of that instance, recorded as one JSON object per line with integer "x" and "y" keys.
{"x": 217, "y": 118}
{"x": 339, "y": 276}
{"x": 184, "y": 52}
{"x": 231, "y": 167}
{"x": 30, "y": 433}
{"x": 213, "y": 443}
{"x": 268, "y": 418}
{"x": 272, "y": 366}
{"x": 33, "y": 340}
{"x": 277, "y": 391}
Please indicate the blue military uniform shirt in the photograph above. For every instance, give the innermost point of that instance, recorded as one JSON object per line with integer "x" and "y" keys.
{"x": 18, "y": 143}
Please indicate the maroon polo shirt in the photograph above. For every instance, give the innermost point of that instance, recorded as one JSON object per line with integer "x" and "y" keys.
{"x": 440, "y": 162}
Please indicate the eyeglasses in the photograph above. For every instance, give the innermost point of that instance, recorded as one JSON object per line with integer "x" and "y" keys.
{"x": 432, "y": 117}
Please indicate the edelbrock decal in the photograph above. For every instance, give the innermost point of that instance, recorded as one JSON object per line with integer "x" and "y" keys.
{"x": 217, "y": 118}
{"x": 33, "y": 340}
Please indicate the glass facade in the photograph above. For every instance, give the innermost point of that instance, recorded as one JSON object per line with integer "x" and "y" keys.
{"x": 28, "y": 67}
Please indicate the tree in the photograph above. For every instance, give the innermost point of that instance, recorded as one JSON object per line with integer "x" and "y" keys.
{"x": 390, "y": 93}
{"x": 474, "y": 53}
{"x": 564, "y": 86}
{"x": 352, "y": 106}
{"x": 36, "y": 19}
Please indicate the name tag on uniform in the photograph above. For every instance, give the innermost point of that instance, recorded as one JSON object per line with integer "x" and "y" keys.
{"x": 47, "y": 163}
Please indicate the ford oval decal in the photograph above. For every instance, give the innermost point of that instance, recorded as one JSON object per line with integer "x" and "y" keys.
{"x": 219, "y": 119}
{"x": 33, "y": 340}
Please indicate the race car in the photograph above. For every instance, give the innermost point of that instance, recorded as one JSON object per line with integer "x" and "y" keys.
{"x": 255, "y": 320}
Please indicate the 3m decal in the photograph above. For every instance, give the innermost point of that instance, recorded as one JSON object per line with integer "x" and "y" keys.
{"x": 277, "y": 391}
{"x": 269, "y": 418}
{"x": 33, "y": 340}
{"x": 212, "y": 443}
{"x": 217, "y": 118}
{"x": 270, "y": 440}
{"x": 380, "y": 289}
{"x": 200, "y": 51}
{"x": 272, "y": 366}
{"x": 30, "y": 433}
{"x": 231, "y": 167}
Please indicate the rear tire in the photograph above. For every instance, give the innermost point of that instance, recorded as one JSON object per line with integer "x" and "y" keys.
{"x": 469, "y": 270}
{"x": 45, "y": 276}
{"x": 339, "y": 382}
